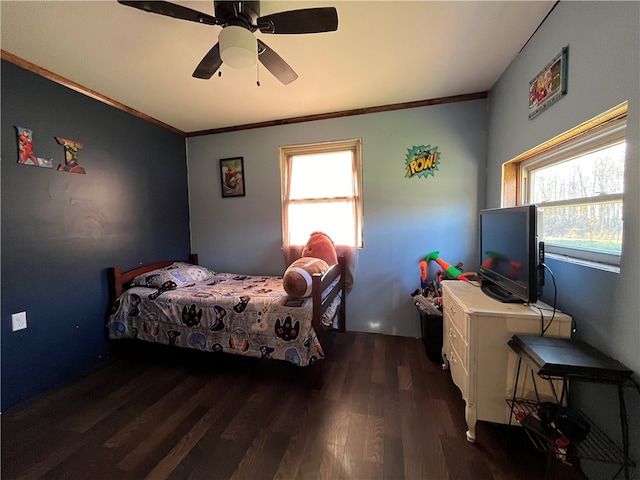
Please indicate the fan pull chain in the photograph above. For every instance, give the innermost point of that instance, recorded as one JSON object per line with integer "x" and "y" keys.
{"x": 257, "y": 72}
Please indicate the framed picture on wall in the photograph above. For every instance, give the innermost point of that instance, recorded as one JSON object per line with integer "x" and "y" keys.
{"x": 550, "y": 85}
{"x": 232, "y": 177}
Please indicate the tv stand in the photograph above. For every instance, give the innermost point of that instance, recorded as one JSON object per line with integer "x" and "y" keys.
{"x": 498, "y": 293}
{"x": 476, "y": 331}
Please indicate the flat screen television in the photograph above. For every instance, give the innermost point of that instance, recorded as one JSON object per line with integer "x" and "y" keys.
{"x": 510, "y": 257}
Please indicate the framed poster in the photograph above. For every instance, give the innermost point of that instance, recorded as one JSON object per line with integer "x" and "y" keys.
{"x": 550, "y": 85}
{"x": 232, "y": 177}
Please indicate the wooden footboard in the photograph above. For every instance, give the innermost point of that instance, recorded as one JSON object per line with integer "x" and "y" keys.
{"x": 319, "y": 284}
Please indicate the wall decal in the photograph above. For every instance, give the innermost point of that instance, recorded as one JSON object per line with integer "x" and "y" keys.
{"x": 25, "y": 150}
{"x": 422, "y": 161}
{"x": 71, "y": 148}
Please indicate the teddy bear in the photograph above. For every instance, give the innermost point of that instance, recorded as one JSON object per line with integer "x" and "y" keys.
{"x": 321, "y": 246}
{"x": 317, "y": 256}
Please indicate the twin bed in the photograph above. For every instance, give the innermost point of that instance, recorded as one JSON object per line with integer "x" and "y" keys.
{"x": 182, "y": 304}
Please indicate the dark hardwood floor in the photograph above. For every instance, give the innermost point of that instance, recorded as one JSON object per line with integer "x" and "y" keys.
{"x": 385, "y": 411}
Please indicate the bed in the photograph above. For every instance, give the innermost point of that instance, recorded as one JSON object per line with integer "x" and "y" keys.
{"x": 179, "y": 303}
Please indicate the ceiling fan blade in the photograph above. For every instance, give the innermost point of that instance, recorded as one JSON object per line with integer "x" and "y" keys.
{"x": 275, "y": 64}
{"x": 171, "y": 10}
{"x": 307, "y": 20}
{"x": 209, "y": 64}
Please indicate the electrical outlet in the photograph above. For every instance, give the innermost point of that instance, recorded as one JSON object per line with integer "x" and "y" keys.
{"x": 19, "y": 321}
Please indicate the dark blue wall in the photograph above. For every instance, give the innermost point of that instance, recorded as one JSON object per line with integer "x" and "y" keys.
{"x": 60, "y": 231}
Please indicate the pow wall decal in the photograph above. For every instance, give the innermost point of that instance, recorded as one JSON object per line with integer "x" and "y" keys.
{"x": 25, "y": 150}
{"x": 422, "y": 161}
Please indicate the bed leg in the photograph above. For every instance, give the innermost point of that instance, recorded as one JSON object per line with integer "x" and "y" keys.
{"x": 316, "y": 374}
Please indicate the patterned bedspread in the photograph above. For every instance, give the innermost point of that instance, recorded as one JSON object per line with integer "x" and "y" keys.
{"x": 241, "y": 314}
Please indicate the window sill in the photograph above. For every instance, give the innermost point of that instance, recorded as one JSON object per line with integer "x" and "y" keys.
{"x": 584, "y": 263}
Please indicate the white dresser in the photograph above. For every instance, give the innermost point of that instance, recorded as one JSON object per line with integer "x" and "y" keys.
{"x": 476, "y": 330}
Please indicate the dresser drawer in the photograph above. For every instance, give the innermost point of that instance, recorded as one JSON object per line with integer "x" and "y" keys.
{"x": 459, "y": 374}
{"x": 455, "y": 341}
{"x": 456, "y": 315}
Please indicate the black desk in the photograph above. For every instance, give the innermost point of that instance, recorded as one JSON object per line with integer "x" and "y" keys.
{"x": 565, "y": 359}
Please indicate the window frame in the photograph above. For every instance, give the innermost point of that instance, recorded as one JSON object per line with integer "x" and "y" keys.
{"x": 607, "y": 129}
{"x": 354, "y": 146}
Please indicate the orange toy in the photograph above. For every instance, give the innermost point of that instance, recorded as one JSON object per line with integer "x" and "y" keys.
{"x": 321, "y": 246}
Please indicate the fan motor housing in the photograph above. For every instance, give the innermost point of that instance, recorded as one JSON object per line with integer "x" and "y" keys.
{"x": 244, "y": 14}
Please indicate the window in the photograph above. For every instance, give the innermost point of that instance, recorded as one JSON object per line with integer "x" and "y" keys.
{"x": 578, "y": 184}
{"x": 322, "y": 191}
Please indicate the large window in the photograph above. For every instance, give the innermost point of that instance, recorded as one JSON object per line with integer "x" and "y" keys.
{"x": 578, "y": 184}
{"x": 322, "y": 191}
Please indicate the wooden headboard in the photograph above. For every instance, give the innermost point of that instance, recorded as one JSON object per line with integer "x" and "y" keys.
{"x": 119, "y": 280}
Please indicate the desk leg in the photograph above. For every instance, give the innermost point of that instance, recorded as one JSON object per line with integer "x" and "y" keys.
{"x": 515, "y": 390}
{"x": 624, "y": 428}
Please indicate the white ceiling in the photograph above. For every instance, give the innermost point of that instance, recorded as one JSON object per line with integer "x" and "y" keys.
{"x": 384, "y": 52}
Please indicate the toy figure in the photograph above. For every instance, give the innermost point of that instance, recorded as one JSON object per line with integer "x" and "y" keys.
{"x": 451, "y": 271}
{"x": 423, "y": 274}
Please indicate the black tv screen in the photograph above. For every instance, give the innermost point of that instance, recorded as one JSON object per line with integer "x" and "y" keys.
{"x": 509, "y": 255}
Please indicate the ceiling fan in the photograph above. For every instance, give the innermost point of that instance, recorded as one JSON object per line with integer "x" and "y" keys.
{"x": 237, "y": 47}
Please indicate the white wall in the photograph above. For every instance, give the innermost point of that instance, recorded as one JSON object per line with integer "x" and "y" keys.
{"x": 604, "y": 51}
{"x": 404, "y": 218}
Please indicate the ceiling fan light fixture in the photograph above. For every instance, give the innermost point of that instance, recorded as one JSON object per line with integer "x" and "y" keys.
{"x": 238, "y": 47}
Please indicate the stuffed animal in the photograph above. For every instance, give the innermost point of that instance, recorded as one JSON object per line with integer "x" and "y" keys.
{"x": 297, "y": 278}
{"x": 321, "y": 246}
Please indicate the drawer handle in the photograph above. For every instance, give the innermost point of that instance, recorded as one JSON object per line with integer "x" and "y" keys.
{"x": 452, "y": 334}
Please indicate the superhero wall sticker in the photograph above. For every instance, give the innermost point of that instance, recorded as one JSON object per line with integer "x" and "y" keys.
{"x": 71, "y": 148}
{"x": 25, "y": 150}
{"x": 422, "y": 161}
{"x": 26, "y": 155}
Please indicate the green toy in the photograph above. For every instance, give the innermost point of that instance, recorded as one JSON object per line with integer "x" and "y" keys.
{"x": 449, "y": 269}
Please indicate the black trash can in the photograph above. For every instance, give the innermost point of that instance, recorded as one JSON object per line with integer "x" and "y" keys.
{"x": 431, "y": 326}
